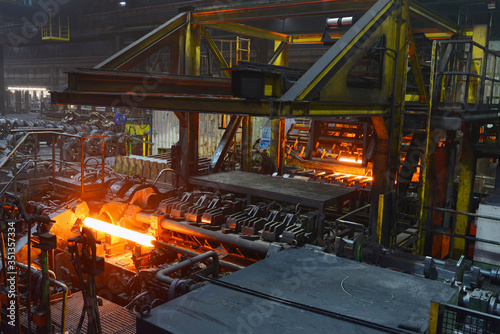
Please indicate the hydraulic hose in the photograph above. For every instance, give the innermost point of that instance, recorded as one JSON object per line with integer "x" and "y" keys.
{"x": 164, "y": 274}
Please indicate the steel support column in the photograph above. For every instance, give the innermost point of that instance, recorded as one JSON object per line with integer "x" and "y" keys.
{"x": 468, "y": 160}
{"x": 225, "y": 143}
{"x": 188, "y": 137}
{"x": 278, "y": 125}
{"x": 451, "y": 148}
{"x": 192, "y": 50}
{"x": 276, "y": 151}
{"x": 380, "y": 169}
{"x": 398, "y": 103}
{"x": 176, "y": 44}
{"x": 189, "y": 54}
{"x": 246, "y": 152}
{"x": 465, "y": 186}
{"x": 380, "y": 175}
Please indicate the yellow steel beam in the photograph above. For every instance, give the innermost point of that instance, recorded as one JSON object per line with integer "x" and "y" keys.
{"x": 259, "y": 10}
{"x": 480, "y": 36}
{"x": 380, "y": 217}
{"x": 278, "y": 50}
{"x": 280, "y": 56}
{"x": 313, "y": 109}
{"x": 465, "y": 189}
{"x": 468, "y": 159}
{"x": 312, "y": 38}
{"x": 215, "y": 50}
{"x": 436, "y": 34}
{"x": 250, "y": 31}
{"x": 417, "y": 69}
{"x": 428, "y": 16}
{"x": 313, "y": 78}
{"x": 252, "y": 10}
{"x": 192, "y": 48}
{"x": 144, "y": 47}
{"x": 210, "y": 104}
{"x": 433, "y": 318}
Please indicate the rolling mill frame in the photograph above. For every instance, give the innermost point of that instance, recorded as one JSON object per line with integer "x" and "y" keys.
{"x": 324, "y": 91}
{"x": 321, "y": 91}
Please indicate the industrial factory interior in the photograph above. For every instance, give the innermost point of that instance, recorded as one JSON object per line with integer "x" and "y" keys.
{"x": 258, "y": 166}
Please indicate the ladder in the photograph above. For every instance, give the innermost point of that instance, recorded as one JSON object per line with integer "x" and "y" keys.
{"x": 414, "y": 156}
{"x": 412, "y": 180}
{"x": 242, "y": 49}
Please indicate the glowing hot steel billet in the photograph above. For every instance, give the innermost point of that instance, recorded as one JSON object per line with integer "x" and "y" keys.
{"x": 142, "y": 239}
{"x": 350, "y": 160}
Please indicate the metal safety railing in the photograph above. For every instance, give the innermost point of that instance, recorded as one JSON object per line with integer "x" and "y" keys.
{"x": 13, "y": 157}
{"x": 449, "y": 319}
{"x": 452, "y": 233}
{"x": 55, "y": 30}
{"x": 467, "y": 76}
{"x": 343, "y": 220}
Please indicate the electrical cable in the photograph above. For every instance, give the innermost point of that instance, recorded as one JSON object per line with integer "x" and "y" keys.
{"x": 91, "y": 244}
{"x": 86, "y": 306}
{"x": 170, "y": 170}
{"x": 136, "y": 299}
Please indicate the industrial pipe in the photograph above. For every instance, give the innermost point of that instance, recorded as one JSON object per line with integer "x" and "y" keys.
{"x": 342, "y": 219}
{"x": 337, "y": 22}
{"x": 180, "y": 250}
{"x": 254, "y": 246}
{"x": 164, "y": 274}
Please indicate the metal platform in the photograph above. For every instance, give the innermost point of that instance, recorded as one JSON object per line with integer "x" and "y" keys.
{"x": 336, "y": 296}
{"x": 114, "y": 318}
{"x": 315, "y": 195}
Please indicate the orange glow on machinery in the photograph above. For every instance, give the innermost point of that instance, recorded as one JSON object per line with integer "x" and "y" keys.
{"x": 350, "y": 160}
{"x": 361, "y": 177}
{"x": 98, "y": 225}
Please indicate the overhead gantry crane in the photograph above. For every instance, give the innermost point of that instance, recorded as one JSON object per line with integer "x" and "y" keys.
{"x": 399, "y": 203}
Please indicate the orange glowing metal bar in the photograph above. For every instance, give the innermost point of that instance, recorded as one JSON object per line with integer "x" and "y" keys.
{"x": 368, "y": 178}
{"x": 350, "y": 160}
{"x": 142, "y": 239}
